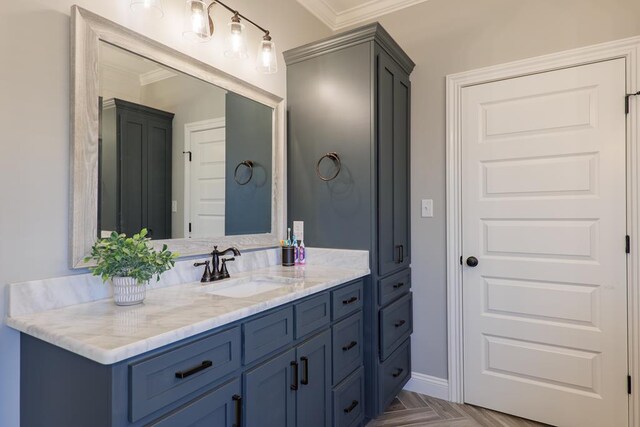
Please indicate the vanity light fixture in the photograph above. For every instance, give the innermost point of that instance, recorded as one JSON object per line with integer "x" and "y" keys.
{"x": 153, "y": 7}
{"x": 198, "y": 25}
{"x": 236, "y": 41}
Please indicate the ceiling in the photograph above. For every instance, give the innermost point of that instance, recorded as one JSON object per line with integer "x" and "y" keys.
{"x": 337, "y": 14}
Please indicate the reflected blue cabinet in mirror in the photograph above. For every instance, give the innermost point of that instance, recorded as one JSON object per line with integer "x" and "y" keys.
{"x": 350, "y": 96}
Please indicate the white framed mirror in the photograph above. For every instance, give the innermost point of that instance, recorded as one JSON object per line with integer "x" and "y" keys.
{"x": 162, "y": 141}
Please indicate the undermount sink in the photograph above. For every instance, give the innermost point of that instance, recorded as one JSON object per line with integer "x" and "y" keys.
{"x": 250, "y": 286}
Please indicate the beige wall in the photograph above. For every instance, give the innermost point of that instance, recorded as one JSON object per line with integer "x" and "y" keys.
{"x": 34, "y": 124}
{"x": 450, "y": 36}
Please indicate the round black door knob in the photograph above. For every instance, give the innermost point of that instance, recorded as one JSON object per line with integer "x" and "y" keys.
{"x": 472, "y": 261}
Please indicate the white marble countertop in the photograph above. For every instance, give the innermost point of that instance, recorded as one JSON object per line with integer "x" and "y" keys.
{"x": 106, "y": 333}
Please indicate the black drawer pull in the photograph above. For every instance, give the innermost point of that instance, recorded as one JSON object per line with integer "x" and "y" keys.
{"x": 400, "y": 323}
{"x": 238, "y": 401}
{"x": 184, "y": 374}
{"x": 397, "y": 373}
{"x": 398, "y": 285}
{"x": 351, "y": 407}
{"x": 350, "y": 300}
{"x": 305, "y": 370}
{"x": 350, "y": 346}
{"x": 294, "y": 384}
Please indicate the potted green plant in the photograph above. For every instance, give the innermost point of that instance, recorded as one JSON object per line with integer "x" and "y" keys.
{"x": 129, "y": 263}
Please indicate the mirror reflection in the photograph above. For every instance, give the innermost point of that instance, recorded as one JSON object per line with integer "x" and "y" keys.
{"x": 178, "y": 155}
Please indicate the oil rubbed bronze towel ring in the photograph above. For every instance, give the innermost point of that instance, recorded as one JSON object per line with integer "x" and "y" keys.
{"x": 248, "y": 164}
{"x": 336, "y": 159}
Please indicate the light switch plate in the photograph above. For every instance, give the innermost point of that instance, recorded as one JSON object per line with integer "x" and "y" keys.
{"x": 174, "y": 206}
{"x": 427, "y": 208}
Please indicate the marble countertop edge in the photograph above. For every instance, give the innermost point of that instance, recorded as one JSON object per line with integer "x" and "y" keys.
{"x": 109, "y": 356}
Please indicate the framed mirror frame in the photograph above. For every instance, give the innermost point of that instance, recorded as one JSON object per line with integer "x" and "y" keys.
{"x": 87, "y": 30}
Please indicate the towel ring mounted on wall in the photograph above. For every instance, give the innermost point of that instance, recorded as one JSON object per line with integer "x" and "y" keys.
{"x": 248, "y": 164}
{"x": 336, "y": 159}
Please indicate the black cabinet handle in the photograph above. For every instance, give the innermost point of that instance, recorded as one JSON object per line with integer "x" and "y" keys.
{"x": 401, "y": 254}
{"x": 350, "y": 346}
{"x": 399, "y": 258}
{"x": 305, "y": 370}
{"x": 400, "y": 323}
{"x": 351, "y": 407}
{"x": 350, "y": 300}
{"x": 398, "y": 285}
{"x": 238, "y": 401}
{"x": 397, "y": 373}
{"x": 184, "y": 374}
{"x": 294, "y": 384}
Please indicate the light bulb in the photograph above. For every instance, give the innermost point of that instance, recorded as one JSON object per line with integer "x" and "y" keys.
{"x": 236, "y": 44}
{"x": 266, "y": 61}
{"x": 196, "y": 21}
{"x": 150, "y": 7}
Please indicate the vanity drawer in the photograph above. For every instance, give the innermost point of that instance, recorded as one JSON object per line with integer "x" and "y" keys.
{"x": 394, "y": 286}
{"x": 312, "y": 314}
{"x": 346, "y": 300}
{"x": 396, "y": 324}
{"x": 168, "y": 377}
{"x": 347, "y": 346}
{"x": 394, "y": 374}
{"x": 267, "y": 334}
{"x": 348, "y": 401}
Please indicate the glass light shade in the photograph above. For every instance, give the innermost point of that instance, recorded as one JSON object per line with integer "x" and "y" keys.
{"x": 151, "y": 7}
{"x": 267, "y": 61}
{"x": 196, "y": 21}
{"x": 236, "y": 41}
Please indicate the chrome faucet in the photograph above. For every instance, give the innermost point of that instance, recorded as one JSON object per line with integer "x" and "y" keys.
{"x": 219, "y": 270}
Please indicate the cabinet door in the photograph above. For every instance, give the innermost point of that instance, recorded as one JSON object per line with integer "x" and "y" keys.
{"x": 132, "y": 131}
{"x": 392, "y": 121}
{"x": 401, "y": 168}
{"x": 270, "y": 393}
{"x": 313, "y": 398}
{"x": 219, "y": 408}
{"x": 158, "y": 191}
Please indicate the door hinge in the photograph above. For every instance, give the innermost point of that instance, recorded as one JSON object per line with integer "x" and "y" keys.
{"x": 189, "y": 153}
{"x": 629, "y": 384}
{"x": 626, "y": 101}
{"x": 189, "y": 227}
{"x": 627, "y": 244}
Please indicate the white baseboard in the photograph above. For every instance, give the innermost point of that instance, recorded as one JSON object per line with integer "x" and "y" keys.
{"x": 426, "y": 384}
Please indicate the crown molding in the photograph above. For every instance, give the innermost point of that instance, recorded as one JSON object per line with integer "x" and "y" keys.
{"x": 337, "y": 20}
{"x": 154, "y": 76}
{"x": 367, "y": 33}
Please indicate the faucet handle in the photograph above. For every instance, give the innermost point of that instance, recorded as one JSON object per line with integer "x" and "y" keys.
{"x": 206, "y": 276}
{"x": 223, "y": 268}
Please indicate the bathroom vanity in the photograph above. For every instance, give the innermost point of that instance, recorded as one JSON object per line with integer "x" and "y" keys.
{"x": 269, "y": 347}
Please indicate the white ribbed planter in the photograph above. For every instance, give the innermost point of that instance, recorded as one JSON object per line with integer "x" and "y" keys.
{"x": 127, "y": 291}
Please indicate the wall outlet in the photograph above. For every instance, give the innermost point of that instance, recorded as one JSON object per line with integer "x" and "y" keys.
{"x": 174, "y": 206}
{"x": 427, "y": 208}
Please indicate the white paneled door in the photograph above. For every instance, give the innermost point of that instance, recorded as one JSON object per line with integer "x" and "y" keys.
{"x": 544, "y": 219}
{"x": 207, "y": 179}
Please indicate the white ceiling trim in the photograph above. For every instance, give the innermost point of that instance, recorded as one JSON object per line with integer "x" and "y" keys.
{"x": 337, "y": 20}
{"x": 155, "y": 76}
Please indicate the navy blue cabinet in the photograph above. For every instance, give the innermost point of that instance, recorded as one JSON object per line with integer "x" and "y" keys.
{"x": 366, "y": 123}
{"x": 218, "y": 408}
{"x": 272, "y": 369}
{"x": 313, "y": 395}
{"x": 270, "y": 392}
